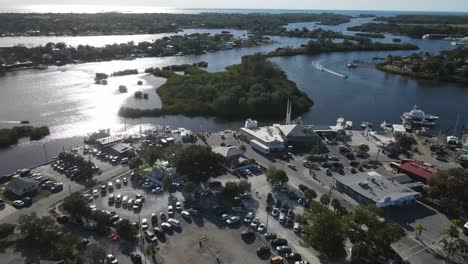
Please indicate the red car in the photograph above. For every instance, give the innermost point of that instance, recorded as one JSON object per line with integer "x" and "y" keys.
{"x": 113, "y": 237}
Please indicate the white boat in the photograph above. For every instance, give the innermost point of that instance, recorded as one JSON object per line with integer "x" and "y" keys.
{"x": 418, "y": 117}
{"x": 366, "y": 124}
{"x": 386, "y": 125}
{"x": 340, "y": 121}
{"x": 351, "y": 64}
{"x": 349, "y": 125}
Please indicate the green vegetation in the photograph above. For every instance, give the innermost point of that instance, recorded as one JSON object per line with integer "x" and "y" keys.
{"x": 60, "y": 53}
{"x": 124, "y": 72}
{"x": 44, "y": 238}
{"x": 451, "y": 65}
{"x": 76, "y": 206}
{"x": 453, "y": 242}
{"x": 6, "y": 230}
{"x": 371, "y": 235}
{"x": 276, "y": 176}
{"x": 370, "y": 35}
{"x": 10, "y": 136}
{"x": 327, "y": 45}
{"x": 121, "y": 23}
{"x": 321, "y": 33}
{"x": 123, "y": 89}
{"x": 86, "y": 168}
{"x": 449, "y": 184}
{"x": 199, "y": 163}
{"x": 2, "y": 60}
{"x": 255, "y": 88}
{"x": 417, "y": 25}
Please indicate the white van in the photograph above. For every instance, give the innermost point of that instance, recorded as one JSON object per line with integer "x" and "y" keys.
{"x": 281, "y": 218}
{"x": 297, "y": 227}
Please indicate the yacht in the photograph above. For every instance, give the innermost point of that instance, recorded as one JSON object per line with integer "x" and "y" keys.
{"x": 340, "y": 121}
{"x": 418, "y": 117}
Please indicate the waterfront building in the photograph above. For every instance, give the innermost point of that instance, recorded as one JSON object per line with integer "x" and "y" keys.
{"x": 417, "y": 170}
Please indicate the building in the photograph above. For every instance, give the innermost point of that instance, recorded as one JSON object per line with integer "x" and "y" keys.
{"x": 22, "y": 186}
{"x": 229, "y": 154}
{"x": 109, "y": 141}
{"x": 398, "y": 129}
{"x": 122, "y": 149}
{"x": 158, "y": 172}
{"x": 417, "y": 170}
{"x": 276, "y": 137}
{"x": 372, "y": 188}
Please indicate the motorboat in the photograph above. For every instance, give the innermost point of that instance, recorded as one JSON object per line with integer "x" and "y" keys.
{"x": 351, "y": 64}
{"x": 349, "y": 125}
{"x": 366, "y": 124}
{"x": 340, "y": 121}
{"x": 385, "y": 125}
{"x": 418, "y": 117}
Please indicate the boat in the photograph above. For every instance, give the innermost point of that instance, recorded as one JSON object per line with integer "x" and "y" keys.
{"x": 167, "y": 129}
{"x": 93, "y": 137}
{"x": 349, "y": 125}
{"x": 366, "y": 124}
{"x": 24, "y": 122}
{"x": 386, "y": 125}
{"x": 340, "y": 121}
{"x": 351, "y": 64}
{"x": 418, "y": 117}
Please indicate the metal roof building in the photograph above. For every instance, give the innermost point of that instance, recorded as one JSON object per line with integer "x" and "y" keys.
{"x": 372, "y": 188}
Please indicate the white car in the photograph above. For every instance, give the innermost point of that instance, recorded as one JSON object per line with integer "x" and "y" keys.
{"x": 144, "y": 224}
{"x": 261, "y": 228}
{"x": 95, "y": 193}
{"x": 185, "y": 213}
{"x": 18, "y": 203}
{"x": 248, "y": 217}
{"x": 124, "y": 180}
{"x": 124, "y": 199}
{"x": 275, "y": 212}
{"x": 109, "y": 186}
{"x": 281, "y": 218}
{"x": 173, "y": 222}
{"x": 118, "y": 198}
{"x": 178, "y": 206}
{"x": 129, "y": 203}
{"x": 157, "y": 190}
{"x": 111, "y": 259}
{"x": 255, "y": 222}
{"x": 150, "y": 236}
{"x": 137, "y": 204}
{"x": 224, "y": 217}
{"x": 166, "y": 225}
{"x": 232, "y": 220}
{"x": 88, "y": 197}
{"x": 170, "y": 210}
{"x": 117, "y": 183}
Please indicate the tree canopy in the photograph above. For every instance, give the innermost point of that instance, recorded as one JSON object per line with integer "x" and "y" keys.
{"x": 77, "y": 206}
{"x": 276, "y": 176}
{"x": 198, "y": 162}
{"x": 449, "y": 184}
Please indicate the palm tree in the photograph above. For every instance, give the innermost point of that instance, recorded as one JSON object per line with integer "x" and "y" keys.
{"x": 450, "y": 238}
{"x": 335, "y": 204}
{"x": 325, "y": 199}
{"x": 419, "y": 229}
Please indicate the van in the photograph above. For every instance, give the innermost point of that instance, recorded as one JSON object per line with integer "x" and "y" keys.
{"x": 276, "y": 260}
{"x": 281, "y": 218}
{"x": 297, "y": 227}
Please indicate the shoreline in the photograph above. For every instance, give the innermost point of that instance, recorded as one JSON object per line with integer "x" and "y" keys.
{"x": 415, "y": 75}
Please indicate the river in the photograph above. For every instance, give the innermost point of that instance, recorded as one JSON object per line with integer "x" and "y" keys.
{"x": 67, "y": 100}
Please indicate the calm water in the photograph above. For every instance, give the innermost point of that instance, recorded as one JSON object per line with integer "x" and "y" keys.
{"x": 65, "y": 98}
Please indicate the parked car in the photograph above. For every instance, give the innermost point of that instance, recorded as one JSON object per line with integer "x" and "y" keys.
{"x": 178, "y": 206}
{"x": 162, "y": 215}
{"x": 150, "y": 236}
{"x": 166, "y": 225}
{"x": 18, "y": 203}
{"x": 261, "y": 228}
{"x": 185, "y": 214}
{"x": 111, "y": 259}
{"x": 248, "y": 217}
{"x": 293, "y": 256}
{"x": 144, "y": 224}
{"x": 247, "y": 234}
{"x": 135, "y": 257}
{"x": 170, "y": 211}
{"x": 224, "y": 217}
{"x": 263, "y": 250}
{"x": 283, "y": 249}
{"x": 232, "y": 220}
{"x": 282, "y": 218}
{"x": 173, "y": 222}
{"x": 2, "y": 203}
{"x": 255, "y": 222}
{"x": 279, "y": 242}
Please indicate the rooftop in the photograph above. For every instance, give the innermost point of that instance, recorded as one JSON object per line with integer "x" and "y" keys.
{"x": 122, "y": 147}
{"x": 378, "y": 189}
{"x": 228, "y": 152}
{"x": 267, "y": 134}
{"x": 418, "y": 168}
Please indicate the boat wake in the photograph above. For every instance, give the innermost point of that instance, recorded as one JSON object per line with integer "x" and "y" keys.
{"x": 319, "y": 67}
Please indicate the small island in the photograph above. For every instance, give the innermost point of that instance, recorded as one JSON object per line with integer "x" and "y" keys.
{"x": 451, "y": 66}
{"x": 327, "y": 45}
{"x": 417, "y": 26}
{"x": 255, "y": 88}
{"x": 11, "y": 136}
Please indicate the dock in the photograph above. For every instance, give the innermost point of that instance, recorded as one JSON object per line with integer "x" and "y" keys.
{"x": 319, "y": 66}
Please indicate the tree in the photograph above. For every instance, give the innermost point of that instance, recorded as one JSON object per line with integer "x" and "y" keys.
{"x": 406, "y": 142}
{"x": 325, "y": 199}
{"x": 310, "y": 194}
{"x": 102, "y": 221}
{"x": 125, "y": 229}
{"x": 335, "y": 203}
{"x": 364, "y": 148}
{"x": 276, "y": 176}
{"x": 6, "y": 230}
{"x": 135, "y": 163}
{"x": 362, "y": 254}
{"x": 198, "y": 162}
{"x": 43, "y": 236}
{"x": 94, "y": 255}
{"x": 270, "y": 199}
{"x": 328, "y": 232}
{"x": 76, "y": 205}
{"x": 167, "y": 182}
{"x": 123, "y": 89}
{"x": 419, "y": 229}
{"x": 451, "y": 240}
{"x": 449, "y": 184}
{"x": 2, "y": 60}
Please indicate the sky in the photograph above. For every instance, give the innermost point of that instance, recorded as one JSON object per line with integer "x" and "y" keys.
{"x": 400, "y": 5}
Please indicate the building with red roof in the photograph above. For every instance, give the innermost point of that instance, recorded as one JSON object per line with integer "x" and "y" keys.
{"x": 417, "y": 170}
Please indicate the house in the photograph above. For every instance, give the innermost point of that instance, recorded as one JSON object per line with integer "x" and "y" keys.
{"x": 22, "y": 186}
{"x": 229, "y": 154}
{"x": 417, "y": 170}
{"x": 122, "y": 149}
{"x": 372, "y": 188}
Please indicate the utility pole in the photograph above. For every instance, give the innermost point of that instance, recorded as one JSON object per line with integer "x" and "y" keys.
{"x": 45, "y": 152}
{"x": 376, "y": 157}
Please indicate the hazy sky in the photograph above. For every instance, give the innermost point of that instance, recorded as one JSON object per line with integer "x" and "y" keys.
{"x": 411, "y": 5}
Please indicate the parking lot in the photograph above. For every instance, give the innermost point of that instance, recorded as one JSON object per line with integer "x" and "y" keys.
{"x": 200, "y": 239}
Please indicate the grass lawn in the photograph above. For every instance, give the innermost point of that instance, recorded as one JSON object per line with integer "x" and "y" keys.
{"x": 41, "y": 194}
